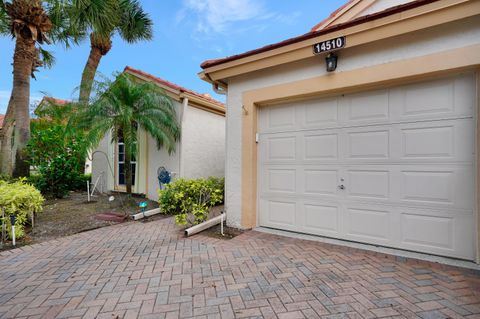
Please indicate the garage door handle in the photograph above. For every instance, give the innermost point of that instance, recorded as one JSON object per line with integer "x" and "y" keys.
{"x": 341, "y": 186}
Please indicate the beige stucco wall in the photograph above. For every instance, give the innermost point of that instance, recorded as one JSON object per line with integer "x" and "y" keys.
{"x": 101, "y": 157}
{"x": 157, "y": 158}
{"x": 441, "y": 38}
{"x": 203, "y": 144}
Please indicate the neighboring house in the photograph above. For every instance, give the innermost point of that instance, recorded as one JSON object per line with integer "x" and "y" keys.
{"x": 199, "y": 153}
{"x": 381, "y": 150}
{"x": 49, "y": 102}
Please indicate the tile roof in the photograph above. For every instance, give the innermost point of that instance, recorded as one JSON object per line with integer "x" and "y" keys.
{"x": 333, "y": 14}
{"x": 55, "y": 100}
{"x": 2, "y": 117}
{"x": 313, "y": 34}
{"x": 206, "y": 97}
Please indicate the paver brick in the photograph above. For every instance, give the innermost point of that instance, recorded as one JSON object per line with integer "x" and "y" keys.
{"x": 149, "y": 270}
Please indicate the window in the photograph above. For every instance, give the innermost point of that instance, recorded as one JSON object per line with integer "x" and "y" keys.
{"x": 122, "y": 179}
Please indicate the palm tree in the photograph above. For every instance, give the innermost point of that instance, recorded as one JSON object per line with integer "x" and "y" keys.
{"x": 131, "y": 23}
{"x": 31, "y": 23}
{"x": 125, "y": 106}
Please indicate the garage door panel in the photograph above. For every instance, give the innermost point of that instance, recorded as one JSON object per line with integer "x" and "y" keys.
{"x": 320, "y": 181}
{"x": 368, "y": 225}
{"x": 371, "y": 144}
{"x": 318, "y": 113}
{"x": 320, "y": 146}
{"x": 282, "y": 212}
{"x": 281, "y": 180}
{"x": 281, "y": 117}
{"x": 368, "y": 184}
{"x": 444, "y": 233}
{"x": 440, "y": 186}
{"x": 367, "y": 107}
{"x": 405, "y": 158}
{"x": 429, "y": 142}
{"x": 428, "y": 186}
{"x": 321, "y": 219}
{"x": 281, "y": 148}
{"x": 433, "y": 231}
{"x": 434, "y": 97}
{"x": 449, "y": 140}
{"x": 443, "y": 99}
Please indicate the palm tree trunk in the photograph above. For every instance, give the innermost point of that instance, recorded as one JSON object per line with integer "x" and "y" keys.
{"x": 99, "y": 46}
{"x": 89, "y": 74}
{"x": 128, "y": 168}
{"x": 6, "y": 163}
{"x": 23, "y": 59}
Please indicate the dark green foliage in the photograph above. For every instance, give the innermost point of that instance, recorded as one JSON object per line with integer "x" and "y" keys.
{"x": 57, "y": 157}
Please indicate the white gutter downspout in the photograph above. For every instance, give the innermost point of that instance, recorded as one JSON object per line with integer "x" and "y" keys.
{"x": 182, "y": 121}
{"x": 205, "y": 225}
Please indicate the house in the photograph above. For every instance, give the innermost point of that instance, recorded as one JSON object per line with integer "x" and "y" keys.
{"x": 199, "y": 153}
{"x": 48, "y": 102}
{"x": 363, "y": 129}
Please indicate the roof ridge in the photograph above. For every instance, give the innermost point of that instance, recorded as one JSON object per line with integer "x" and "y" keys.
{"x": 331, "y": 15}
{"x": 174, "y": 86}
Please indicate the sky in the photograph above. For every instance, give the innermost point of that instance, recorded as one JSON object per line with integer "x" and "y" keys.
{"x": 186, "y": 33}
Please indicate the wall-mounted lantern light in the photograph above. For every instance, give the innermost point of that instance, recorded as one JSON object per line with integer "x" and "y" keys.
{"x": 331, "y": 61}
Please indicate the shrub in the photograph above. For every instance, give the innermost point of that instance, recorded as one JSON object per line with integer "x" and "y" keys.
{"x": 58, "y": 158}
{"x": 191, "y": 200}
{"x": 19, "y": 198}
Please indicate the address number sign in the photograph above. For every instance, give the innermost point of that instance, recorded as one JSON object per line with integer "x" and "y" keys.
{"x": 329, "y": 45}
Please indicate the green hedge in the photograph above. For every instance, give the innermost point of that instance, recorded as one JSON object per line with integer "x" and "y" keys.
{"x": 19, "y": 198}
{"x": 57, "y": 152}
{"x": 191, "y": 199}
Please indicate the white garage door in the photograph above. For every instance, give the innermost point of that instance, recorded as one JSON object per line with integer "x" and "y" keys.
{"x": 391, "y": 167}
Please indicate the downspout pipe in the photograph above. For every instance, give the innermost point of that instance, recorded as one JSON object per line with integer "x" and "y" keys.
{"x": 205, "y": 225}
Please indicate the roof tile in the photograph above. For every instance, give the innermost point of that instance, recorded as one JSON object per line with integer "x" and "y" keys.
{"x": 205, "y": 97}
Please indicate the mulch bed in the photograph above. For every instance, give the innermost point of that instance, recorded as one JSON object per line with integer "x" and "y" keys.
{"x": 74, "y": 214}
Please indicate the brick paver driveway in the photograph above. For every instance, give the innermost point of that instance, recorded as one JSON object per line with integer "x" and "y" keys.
{"x": 149, "y": 270}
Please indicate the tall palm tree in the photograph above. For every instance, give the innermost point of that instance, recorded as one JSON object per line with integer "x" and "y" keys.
{"x": 125, "y": 106}
{"x": 31, "y": 23}
{"x": 131, "y": 23}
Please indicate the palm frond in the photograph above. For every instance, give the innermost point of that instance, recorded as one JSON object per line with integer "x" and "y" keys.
{"x": 4, "y": 20}
{"x": 125, "y": 105}
{"x": 65, "y": 29}
{"x": 47, "y": 57}
{"x": 99, "y": 16}
{"x": 136, "y": 24}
